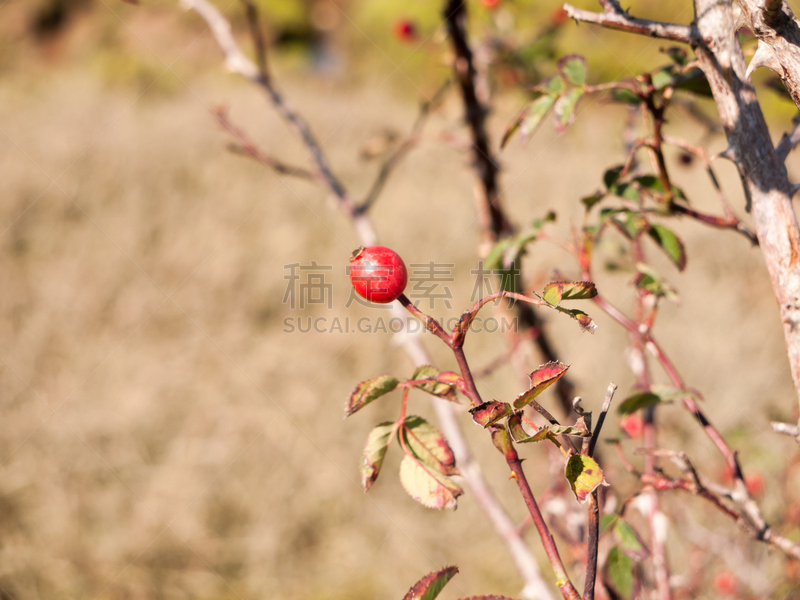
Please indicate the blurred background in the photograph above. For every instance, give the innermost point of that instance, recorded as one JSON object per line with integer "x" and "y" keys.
{"x": 164, "y": 436}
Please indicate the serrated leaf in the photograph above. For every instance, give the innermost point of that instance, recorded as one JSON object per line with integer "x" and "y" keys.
{"x": 427, "y": 486}
{"x": 638, "y": 401}
{"x": 564, "y": 109}
{"x": 557, "y": 291}
{"x": 429, "y": 586}
{"x": 629, "y": 541}
{"x": 490, "y": 412}
{"x": 529, "y": 119}
{"x": 542, "y": 378}
{"x": 374, "y": 451}
{"x": 619, "y": 571}
{"x": 428, "y": 445}
{"x": 584, "y": 476}
{"x": 670, "y": 244}
{"x": 369, "y": 390}
{"x": 434, "y": 387}
{"x": 573, "y": 69}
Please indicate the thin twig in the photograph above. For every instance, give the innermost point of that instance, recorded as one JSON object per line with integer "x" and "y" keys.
{"x": 788, "y": 142}
{"x": 615, "y": 19}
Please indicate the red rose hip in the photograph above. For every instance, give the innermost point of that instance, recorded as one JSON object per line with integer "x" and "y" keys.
{"x": 378, "y": 274}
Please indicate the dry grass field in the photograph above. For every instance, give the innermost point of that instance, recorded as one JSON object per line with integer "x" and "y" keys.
{"x": 162, "y": 436}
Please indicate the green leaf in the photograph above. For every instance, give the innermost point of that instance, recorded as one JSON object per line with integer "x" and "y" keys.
{"x": 434, "y": 387}
{"x": 676, "y": 54}
{"x": 369, "y": 390}
{"x": 670, "y": 244}
{"x": 611, "y": 175}
{"x": 638, "y": 401}
{"x": 529, "y": 119}
{"x": 619, "y": 570}
{"x": 653, "y": 184}
{"x": 501, "y": 439}
{"x": 542, "y": 378}
{"x": 624, "y": 96}
{"x": 490, "y": 412}
{"x": 494, "y": 260}
{"x": 429, "y": 586}
{"x": 428, "y": 445}
{"x": 653, "y": 283}
{"x": 629, "y": 541}
{"x": 557, "y": 291}
{"x": 553, "y": 86}
{"x": 590, "y": 201}
{"x": 520, "y": 435}
{"x": 427, "y": 486}
{"x": 584, "y": 475}
{"x": 564, "y": 109}
{"x": 377, "y": 443}
{"x": 573, "y": 69}
{"x": 630, "y": 223}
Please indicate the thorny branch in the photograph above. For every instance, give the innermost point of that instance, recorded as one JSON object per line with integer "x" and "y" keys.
{"x": 614, "y": 17}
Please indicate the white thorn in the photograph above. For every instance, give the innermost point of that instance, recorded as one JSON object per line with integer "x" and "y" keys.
{"x": 764, "y": 57}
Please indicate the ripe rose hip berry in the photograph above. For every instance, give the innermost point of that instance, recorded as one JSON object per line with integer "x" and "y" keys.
{"x": 378, "y": 274}
{"x": 405, "y": 30}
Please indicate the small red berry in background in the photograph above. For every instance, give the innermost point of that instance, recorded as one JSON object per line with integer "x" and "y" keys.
{"x": 685, "y": 159}
{"x": 754, "y": 483}
{"x": 491, "y": 4}
{"x": 378, "y": 274}
{"x": 725, "y": 583}
{"x": 633, "y": 425}
{"x": 405, "y": 30}
{"x": 558, "y": 17}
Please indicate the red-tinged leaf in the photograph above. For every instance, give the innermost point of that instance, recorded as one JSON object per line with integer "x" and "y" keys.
{"x": 490, "y": 412}
{"x": 428, "y": 445}
{"x": 449, "y": 378}
{"x": 541, "y": 379}
{"x": 670, "y": 244}
{"x": 427, "y": 486}
{"x": 437, "y": 388}
{"x": 521, "y": 436}
{"x": 564, "y": 109}
{"x": 557, "y": 291}
{"x": 573, "y": 68}
{"x": 429, "y": 586}
{"x": 584, "y": 320}
{"x": 369, "y": 390}
{"x": 374, "y": 451}
{"x": 584, "y": 475}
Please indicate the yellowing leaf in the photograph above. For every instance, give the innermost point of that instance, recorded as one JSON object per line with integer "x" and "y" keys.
{"x": 426, "y": 486}
{"x": 374, "y": 451}
{"x": 584, "y": 475}
{"x": 428, "y": 445}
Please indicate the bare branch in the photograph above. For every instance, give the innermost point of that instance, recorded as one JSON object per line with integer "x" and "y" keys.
{"x": 616, "y": 19}
{"x": 612, "y": 387}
